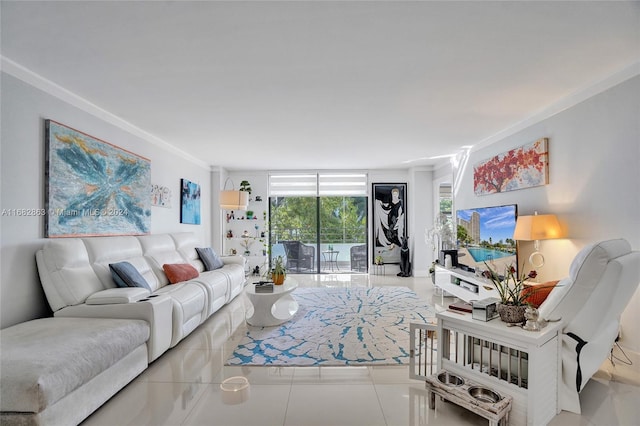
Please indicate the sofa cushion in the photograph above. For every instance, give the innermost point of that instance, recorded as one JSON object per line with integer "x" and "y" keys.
{"x": 178, "y": 272}
{"x": 66, "y": 273}
{"x": 210, "y": 258}
{"x": 536, "y": 294}
{"x": 126, "y": 275}
{"x": 45, "y": 359}
{"x": 160, "y": 249}
{"x": 105, "y": 250}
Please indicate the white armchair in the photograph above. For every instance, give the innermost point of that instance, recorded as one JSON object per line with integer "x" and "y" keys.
{"x": 602, "y": 279}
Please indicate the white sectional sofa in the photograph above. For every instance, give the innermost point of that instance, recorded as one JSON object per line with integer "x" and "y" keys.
{"x": 78, "y": 282}
{"x": 59, "y": 370}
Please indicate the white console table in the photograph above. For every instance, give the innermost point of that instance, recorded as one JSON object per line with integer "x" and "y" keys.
{"x": 523, "y": 364}
{"x": 464, "y": 285}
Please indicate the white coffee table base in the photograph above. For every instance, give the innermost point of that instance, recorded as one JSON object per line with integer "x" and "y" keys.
{"x": 275, "y": 308}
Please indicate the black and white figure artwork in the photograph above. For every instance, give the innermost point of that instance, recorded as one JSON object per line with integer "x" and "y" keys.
{"x": 389, "y": 220}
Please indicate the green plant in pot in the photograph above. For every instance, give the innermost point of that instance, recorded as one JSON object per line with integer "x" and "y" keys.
{"x": 278, "y": 271}
{"x": 510, "y": 290}
{"x": 245, "y": 186}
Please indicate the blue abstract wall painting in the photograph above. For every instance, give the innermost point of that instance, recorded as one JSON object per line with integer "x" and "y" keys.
{"x": 189, "y": 202}
{"x": 93, "y": 188}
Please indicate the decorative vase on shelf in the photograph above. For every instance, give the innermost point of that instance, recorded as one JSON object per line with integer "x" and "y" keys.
{"x": 511, "y": 314}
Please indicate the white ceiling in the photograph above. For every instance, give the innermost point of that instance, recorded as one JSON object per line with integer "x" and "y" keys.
{"x": 320, "y": 84}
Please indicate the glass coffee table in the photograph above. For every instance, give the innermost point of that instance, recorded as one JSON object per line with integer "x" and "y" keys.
{"x": 275, "y": 308}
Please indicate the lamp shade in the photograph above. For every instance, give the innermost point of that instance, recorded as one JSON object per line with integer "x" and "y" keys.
{"x": 537, "y": 227}
{"x": 234, "y": 200}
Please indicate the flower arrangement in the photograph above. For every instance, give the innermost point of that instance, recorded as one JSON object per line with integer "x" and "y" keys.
{"x": 510, "y": 286}
{"x": 441, "y": 236}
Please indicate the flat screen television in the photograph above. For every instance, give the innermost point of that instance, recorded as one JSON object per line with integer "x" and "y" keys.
{"x": 485, "y": 234}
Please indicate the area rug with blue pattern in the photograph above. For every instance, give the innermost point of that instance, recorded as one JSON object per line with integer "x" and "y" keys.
{"x": 338, "y": 326}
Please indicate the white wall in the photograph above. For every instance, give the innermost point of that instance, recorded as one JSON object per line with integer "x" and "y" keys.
{"x": 421, "y": 217}
{"x": 594, "y": 178}
{"x": 24, "y": 109}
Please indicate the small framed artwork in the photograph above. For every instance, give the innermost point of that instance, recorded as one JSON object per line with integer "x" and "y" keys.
{"x": 189, "y": 202}
{"x": 524, "y": 167}
{"x": 160, "y": 196}
{"x": 389, "y": 220}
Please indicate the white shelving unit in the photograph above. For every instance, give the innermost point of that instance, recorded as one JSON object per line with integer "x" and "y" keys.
{"x": 247, "y": 236}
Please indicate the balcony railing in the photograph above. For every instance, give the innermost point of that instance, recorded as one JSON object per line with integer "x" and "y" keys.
{"x": 329, "y": 236}
{"x": 339, "y": 241}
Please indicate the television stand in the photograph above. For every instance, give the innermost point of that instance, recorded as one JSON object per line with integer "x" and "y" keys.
{"x": 464, "y": 285}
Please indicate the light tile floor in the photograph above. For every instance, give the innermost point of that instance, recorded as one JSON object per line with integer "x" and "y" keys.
{"x": 183, "y": 386}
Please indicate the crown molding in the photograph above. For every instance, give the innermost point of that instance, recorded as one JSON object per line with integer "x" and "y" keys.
{"x": 26, "y": 75}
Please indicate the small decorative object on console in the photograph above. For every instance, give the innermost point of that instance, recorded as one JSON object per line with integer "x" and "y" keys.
{"x": 531, "y": 314}
{"x": 264, "y": 287}
{"x": 485, "y": 309}
{"x": 461, "y": 307}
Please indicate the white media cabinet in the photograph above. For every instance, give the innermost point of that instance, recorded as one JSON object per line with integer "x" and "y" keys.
{"x": 464, "y": 285}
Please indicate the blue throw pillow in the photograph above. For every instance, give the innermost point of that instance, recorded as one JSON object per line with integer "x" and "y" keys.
{"x": 126, "y": 275}
{"x": 210, "y": 259}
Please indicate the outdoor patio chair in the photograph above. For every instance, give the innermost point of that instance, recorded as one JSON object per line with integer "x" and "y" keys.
{"x": 358, "y": 256}
{"x": 299, "y": 255}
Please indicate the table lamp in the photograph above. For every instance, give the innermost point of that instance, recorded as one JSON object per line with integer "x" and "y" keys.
{"x": 536, "y": 228}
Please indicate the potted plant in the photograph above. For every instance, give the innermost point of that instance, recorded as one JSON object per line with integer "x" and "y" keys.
{"x": 278, "y": 271}
{"x": 509, "y": 286}
{"x": 245, "y": 186}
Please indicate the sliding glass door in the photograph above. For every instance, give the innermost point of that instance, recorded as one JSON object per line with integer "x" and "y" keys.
{"x": 319, "y": 234}
{"x": 343, "y": 234}
{"x": 293, "y": 232}
{"x": 318, "y": 221}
